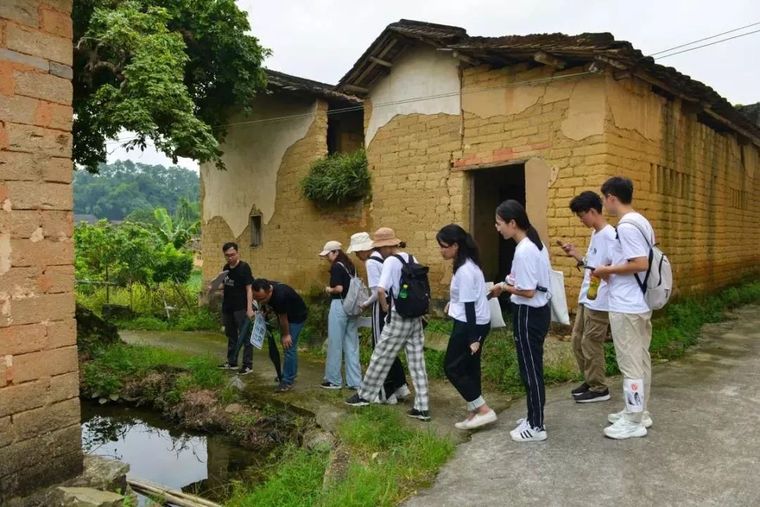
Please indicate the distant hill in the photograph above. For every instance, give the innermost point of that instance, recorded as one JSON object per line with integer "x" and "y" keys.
{"x": 125, "y": 187}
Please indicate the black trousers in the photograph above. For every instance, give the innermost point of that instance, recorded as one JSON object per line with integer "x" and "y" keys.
{"x": 233, "y": 323}
{"x": 530, "y": 326}
{"x": 462, "y": 367}
{"x": 395, "y": 377}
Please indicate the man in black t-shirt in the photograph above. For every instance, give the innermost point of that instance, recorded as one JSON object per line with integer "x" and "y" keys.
{"x": 291, "y": 312}
{"x": 237, "y": 306}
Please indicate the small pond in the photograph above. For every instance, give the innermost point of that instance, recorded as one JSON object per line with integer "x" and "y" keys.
{"x": 156, "y": 451}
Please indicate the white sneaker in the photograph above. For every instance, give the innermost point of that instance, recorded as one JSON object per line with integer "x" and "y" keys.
{"x": 402, "y": 392}
{"x": 623, "y": 428}
{"x": 646, "y": 418}
{"x": 479, "y": 420}
{"x": 461, "y": 425}
{"x": 391, "y": 400}
{"x": 529, "y": 435}
{"x": 522, "y": 425}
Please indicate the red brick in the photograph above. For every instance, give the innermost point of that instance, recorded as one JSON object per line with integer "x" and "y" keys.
{"x": 61, "y": 333}
{"x": 59, "y": 170}
{"x": 16, "y": 340}
{"x": 21, "y": 282}
{"x": 21, "y": 166}
{"x": 39, "y": 140}
{"x": 57, "y": 224}
{"x": 18, "y": 109}
{"x": 56, "y": 22}
{"x": 59, "y": 5}
{"x": 43, "y": 86}
{"x": 23, "y": 397}
{"x": 63, "y": 387}
{"x": 21, "y": 11}
{"x": 7, "y": 83}
{"x": 44, "y": 363}
{"x": 34, "y": 42}
{"x": 43, "y": 420}
{"x": 45, "y": 307}
{"x": 56, "y": 279}
{"x": 19, "y": 224}
{"x": 56, "y": 116}
{"x": 28, "y": 195}
{"x": 25, "y": 252}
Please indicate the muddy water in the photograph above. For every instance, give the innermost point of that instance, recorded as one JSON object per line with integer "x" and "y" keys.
{"x": 156, "y": 451}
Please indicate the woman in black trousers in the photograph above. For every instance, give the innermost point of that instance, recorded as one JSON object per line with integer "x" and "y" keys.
{"x": 468, "y": 306}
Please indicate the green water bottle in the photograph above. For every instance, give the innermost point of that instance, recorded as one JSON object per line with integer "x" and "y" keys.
{"x": 403, "y": 292}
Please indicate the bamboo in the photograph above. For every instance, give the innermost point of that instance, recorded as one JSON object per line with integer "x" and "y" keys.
{"x": 169, "y": 495}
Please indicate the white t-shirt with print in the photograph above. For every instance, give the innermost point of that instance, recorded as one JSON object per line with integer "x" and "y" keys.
{"x": 469, "y": 286}
{"x": 625, "y": 295}
{"x": 390, "y": 276}
{"x": 531, "y": 269}
{"x": 374, "y": 269}
{"x": 598, "y": 254}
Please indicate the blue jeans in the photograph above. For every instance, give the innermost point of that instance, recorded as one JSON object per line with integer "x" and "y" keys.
{"x": 290, "y": 367}
{"x": 342, "y": 340}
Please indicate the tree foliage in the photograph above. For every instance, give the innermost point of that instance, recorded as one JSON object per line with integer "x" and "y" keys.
{"x": 167, "y": 70}
{"x": 127, "y": 190}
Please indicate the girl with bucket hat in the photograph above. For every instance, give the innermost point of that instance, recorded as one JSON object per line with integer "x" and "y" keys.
{"x": 398, "y": 332}
{"x": 394, "y": 388}
{"x": 342, "y": 330}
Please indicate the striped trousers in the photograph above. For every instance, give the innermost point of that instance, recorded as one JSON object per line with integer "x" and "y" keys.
{"x": 530, "y": 326}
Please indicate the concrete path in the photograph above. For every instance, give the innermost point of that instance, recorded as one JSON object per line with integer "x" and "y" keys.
{"x": 704, "y": 447}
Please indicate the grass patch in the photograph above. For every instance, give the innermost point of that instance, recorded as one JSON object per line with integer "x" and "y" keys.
{"x": 388, "y": 460}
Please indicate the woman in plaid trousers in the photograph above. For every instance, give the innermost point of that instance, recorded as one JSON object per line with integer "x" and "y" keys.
{"x": 398, "y": 332}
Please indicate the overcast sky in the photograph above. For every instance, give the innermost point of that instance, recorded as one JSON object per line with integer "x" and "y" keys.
{"x": 321, "y": 39}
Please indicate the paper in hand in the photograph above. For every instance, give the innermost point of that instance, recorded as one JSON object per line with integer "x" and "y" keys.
{"x": 497, "y": 319}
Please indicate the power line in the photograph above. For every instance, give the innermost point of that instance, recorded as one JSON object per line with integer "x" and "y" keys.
{"x": 706, "y": 45}
{"x": 704, "y": 39}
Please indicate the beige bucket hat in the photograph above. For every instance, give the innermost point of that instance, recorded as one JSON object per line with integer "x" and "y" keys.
{"x": 360, "y": 242}
{"x": 330, "y": 246}
{"x": 385, "y": 236}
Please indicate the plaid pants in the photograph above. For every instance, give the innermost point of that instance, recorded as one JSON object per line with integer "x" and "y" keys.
{"x": 399, "y": 332}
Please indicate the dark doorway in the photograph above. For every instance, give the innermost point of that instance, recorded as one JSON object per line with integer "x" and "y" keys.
{"x": 490, "y": 187}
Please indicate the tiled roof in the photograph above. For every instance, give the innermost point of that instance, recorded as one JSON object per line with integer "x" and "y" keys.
{"x": 751, "y": 111}
{"x": 572, "y": 50}
{"x": 278, "y": 81}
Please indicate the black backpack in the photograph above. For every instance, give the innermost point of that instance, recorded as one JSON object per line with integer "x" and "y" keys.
{"x": 413, "y": 299}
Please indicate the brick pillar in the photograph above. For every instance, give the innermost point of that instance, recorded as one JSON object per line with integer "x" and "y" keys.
{"x": 39, "y": 404}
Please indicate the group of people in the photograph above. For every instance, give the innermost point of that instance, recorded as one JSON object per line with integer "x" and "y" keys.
{"x": 611, "y": 294}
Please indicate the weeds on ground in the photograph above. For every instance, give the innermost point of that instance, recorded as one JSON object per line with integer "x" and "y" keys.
{"x": 388, "y": 460}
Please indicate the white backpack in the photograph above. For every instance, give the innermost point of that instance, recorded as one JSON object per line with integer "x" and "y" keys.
{"x": 357, "y": 294}
{"x": 658, "y": 281}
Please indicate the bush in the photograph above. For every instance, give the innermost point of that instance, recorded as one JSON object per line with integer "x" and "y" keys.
{"x": 338, "y": 179}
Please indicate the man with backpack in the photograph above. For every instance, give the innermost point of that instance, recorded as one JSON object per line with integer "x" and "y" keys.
{"x": 629, "y": 312}
{"x": 406, "y": 282}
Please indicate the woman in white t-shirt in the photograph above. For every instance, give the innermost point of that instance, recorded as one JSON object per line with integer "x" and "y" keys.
{"x": 468, "y": 306}
{"x": 528, "y": 284}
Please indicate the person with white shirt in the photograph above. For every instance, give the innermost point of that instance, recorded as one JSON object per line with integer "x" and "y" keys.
{"x": 394, "y": 388}
{"x": 528, "y": 283}
{"x": 630, "y": 316}
{"x": 398, "y": 332}
{"x": 591, "y": 320}
{"x": 468, "y": 306}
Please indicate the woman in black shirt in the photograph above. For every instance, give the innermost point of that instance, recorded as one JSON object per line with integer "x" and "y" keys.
{"x": 342, "y": 330}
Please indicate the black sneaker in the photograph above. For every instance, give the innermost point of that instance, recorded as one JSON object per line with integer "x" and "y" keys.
{"x": 422, "y": 415}
{"x": 592, "y": 396}
{"x": 245, "y": 370}
{"x": 584, "y": 387}
{"x": 357, "y": 401}
{"x": 227, "y": 366}
{"x": 329, "y": 385}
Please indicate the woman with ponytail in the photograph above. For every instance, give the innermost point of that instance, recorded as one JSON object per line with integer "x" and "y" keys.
{"x": 528, "y": 283}
{"x": 468, "y": 306}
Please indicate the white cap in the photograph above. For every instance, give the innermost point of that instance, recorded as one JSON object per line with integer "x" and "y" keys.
{"x": 330, "y": 246}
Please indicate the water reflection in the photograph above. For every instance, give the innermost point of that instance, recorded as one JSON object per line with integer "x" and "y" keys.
{"x": 156, "y": 451}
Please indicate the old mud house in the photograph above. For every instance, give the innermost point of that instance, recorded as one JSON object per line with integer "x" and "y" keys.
{"x": 454, "y": 124}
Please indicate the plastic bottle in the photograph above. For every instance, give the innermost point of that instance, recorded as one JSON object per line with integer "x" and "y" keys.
{"x": 593, "y": 287}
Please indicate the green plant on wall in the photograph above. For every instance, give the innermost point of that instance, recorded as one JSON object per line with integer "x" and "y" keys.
{"x": 338, "y": 179}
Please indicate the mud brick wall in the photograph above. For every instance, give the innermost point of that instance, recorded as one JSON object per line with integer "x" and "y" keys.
{"x": 39, "y": 388}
